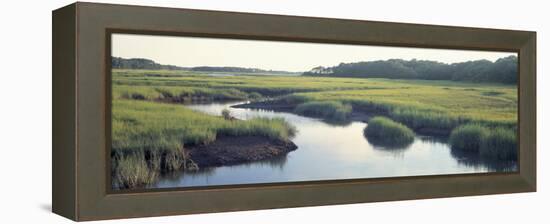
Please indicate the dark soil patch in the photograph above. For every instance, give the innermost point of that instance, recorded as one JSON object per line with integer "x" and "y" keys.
{"x": 233, "y": 150}
{"x": 267, "y": 105}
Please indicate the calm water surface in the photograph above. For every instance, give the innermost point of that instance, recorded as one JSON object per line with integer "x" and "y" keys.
{"x": 327, "y": 152}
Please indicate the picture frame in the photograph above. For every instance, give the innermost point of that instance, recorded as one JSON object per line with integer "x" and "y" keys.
{"x": 81, "y": 111}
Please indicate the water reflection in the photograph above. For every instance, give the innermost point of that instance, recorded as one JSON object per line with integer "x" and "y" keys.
{"x": 394, "y": 147}
{"x": 393, "y": 151}
{"x": 327, "y": 151}
{"x": 338, "y": 123}
{"x": 472, "y": 159}
{"x": 434, "y": 139}
{"x": 211, "y": 175}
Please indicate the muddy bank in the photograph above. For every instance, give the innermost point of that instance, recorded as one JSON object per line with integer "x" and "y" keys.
{"x": 267, "y": 105}
{"x": 356, "y": 115}
{"x": 233, "y": 150}
{"x": 289, "y": 108}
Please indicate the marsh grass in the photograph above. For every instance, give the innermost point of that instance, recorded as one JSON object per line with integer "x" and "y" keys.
{"x": 419, "y": 104}
{"x": 133, "y": 171}
{"x": 428, "y": 110}
{"x": 149, "y": 125}
{"x": 383, "y": 131}
{"x": 419, "y": 119}
{"x": 261, "y": 84}
{"x": 153, "y": 135}
{"x": 148, "y": 135}
{"x": 501, "y": 144}
{"x": 495, "y": 143}
{"x": 330, "y": 110}
{"x": 468, "y": 137}
{"x": 181, "y": 95}
{"x": 430, "y": 107}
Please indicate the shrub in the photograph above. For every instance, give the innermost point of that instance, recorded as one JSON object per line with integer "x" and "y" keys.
{"x": 385, "y": 132}
{"x": 468, "y": 137}
{"x": 331, "y": 110}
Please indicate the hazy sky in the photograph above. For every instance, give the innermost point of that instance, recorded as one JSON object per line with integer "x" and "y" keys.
{"x": 274, "y": 55}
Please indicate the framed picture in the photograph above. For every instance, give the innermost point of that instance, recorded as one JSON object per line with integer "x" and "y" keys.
{"x": 201, "y": 111}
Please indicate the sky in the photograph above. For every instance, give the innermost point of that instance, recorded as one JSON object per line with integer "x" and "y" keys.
{"x": 274, "y": 55}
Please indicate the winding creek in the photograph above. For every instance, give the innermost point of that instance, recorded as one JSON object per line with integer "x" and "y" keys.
{"x": 327, "y": 152}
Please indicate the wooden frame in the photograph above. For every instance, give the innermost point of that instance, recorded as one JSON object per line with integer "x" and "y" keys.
{"x": 80, "y": 111}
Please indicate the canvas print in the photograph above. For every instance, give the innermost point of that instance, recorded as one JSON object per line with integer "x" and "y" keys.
{"x": 197, "y": 111}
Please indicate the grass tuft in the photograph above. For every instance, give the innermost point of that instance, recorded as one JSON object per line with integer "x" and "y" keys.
{"x": 500, "y": 144}
{"x": 132, "y": 171}
{"x": 330, "y": 110}
{"x": 385, "y": 132}
{"x": 496, "y": 143}
{"x": 468, "y": 137}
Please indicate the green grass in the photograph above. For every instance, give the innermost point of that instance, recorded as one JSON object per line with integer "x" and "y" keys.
{"x": 331, "y": 110}
{"x": 149, "y": 137}
{"x": 495, "y": 143}
{"x": 129, "y": 81}
{"x": 385, "y": 132}
{"x": 501, "y": 144}
{"x": 146, "y": 124}
{"x": 416, "y": 103}
{"x": 468, "y": 137}
{"x": 181, "y": 94}
{"x": 427, "y": 107}
{"x": 132, "y": 171}
{"x": 422, "y": 105}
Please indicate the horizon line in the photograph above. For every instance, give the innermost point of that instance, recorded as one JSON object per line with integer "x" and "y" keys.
{"x": 278, "y": 70}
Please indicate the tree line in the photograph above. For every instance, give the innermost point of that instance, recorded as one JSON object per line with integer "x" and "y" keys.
{"x": 503, "y": 70}
{"x": 142, "y": 63}
{"x": 235, "y": 69}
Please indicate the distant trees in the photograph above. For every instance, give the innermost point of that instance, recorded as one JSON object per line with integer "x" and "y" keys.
{"x": 504, "y": 70}
{"x": 321, "y": 70}
{"x": 140, "y": 63}
{"x": 235, "y": 70}
{"x": 225, "y": 69}
{"x": 135, "y": 63}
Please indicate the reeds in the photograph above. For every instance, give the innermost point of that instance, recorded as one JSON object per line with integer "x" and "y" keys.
{"x": 386, "y": 132}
